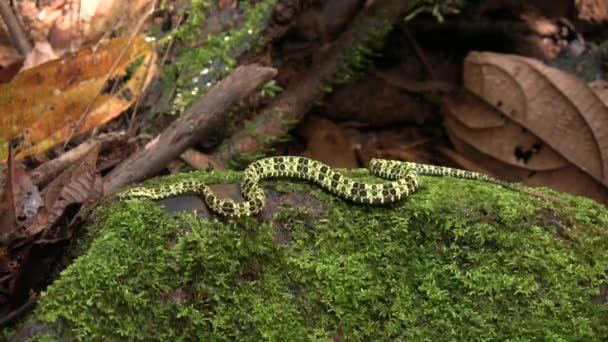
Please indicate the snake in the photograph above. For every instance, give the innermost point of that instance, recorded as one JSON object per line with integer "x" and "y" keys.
{"x": 401, "y": 180}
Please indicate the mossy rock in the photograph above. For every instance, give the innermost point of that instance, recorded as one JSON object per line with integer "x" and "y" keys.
{"x": 459, "y": 260}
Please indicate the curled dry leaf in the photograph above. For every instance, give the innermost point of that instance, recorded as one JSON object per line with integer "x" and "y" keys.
{"x": 79, "y": 184}
{"x": 20, "y": 200}
{"x": 45, "y": 104}
{"x": 543, "y": 125}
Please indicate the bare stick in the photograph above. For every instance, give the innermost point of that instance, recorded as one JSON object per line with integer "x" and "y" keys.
{"x": 204, "y": 118}
{"x": 15, "y": 29}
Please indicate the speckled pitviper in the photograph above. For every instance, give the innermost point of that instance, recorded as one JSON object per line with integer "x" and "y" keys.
{"x": 402, "y": 176}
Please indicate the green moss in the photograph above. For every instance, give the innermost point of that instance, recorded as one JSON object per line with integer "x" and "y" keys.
{"x": 196, "y": 69}
{"x": 267, "y": 143}
{"x": 359, "y": 56}
{"x": 438, "y": 8}
{"x": 459, "y": 260}
{"x": 6, "y": 333}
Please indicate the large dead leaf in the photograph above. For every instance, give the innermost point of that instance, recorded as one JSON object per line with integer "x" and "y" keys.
{"x": 44, "y": 105}
{"x": 536, "y": 121}
{"x": 481, "y": 126}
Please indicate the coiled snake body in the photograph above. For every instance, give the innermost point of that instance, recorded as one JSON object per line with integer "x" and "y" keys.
{"x": 402, "y": 176}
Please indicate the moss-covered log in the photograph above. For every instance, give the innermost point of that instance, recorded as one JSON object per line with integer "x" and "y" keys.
{"x": 459, "y": 260}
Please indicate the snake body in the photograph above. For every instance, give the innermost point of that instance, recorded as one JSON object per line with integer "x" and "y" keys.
{"x": 402, "y": 181}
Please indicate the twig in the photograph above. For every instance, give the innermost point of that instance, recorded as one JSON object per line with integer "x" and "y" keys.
{"x": 413, "y": 86}
{"x": 13, "y": 315}
{"x": 51, "y": 169}
{"x": 420, "y": 54}
{"x": 130, "y": 128}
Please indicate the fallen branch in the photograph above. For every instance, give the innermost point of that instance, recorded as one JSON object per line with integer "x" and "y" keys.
{"x": 202, "y": 119}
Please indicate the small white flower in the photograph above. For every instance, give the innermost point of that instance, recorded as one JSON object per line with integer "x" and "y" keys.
{"x": 194, "y": 79}
{"x": 227, "y": 38}
{"x": 150, "y": 39}
{"x": 250, "y": 31}
{"x": 204, "y": 71}
{"x": 208, "y": 84}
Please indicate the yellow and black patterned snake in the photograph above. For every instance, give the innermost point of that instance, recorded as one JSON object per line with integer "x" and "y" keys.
{"x": 402, "y": 176}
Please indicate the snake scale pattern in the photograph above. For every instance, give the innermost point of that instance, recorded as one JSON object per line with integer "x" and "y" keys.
{"x": 402, "y": 180}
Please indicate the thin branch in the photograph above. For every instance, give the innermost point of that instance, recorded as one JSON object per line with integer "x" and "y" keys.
{"x": 14, "y": 28}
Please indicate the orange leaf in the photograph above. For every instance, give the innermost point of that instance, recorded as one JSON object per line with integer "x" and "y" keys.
{"x": 44, "y": 104}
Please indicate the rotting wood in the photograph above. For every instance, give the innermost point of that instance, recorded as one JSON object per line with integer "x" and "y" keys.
{"x": 291, "y": 106}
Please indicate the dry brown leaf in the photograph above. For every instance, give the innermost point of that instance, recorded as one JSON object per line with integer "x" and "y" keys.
{"x": 8, "y": 56}
{"x": 113, "y": 144}
{"x": 327, "y": 143}
{"x": 592, "y": 10}
{"x": 20, "y": 200}
{"x": 78, "y": 184}
{"x": 69, "y": 25}
{"x": 7, "y": 74}
{"x": 66, "y": 88}
{"x": 600, "y": 87}
{"x": 201, "y": 161}
{"x": 507, "y": 142}
{"x": 565, "y": 116}
{"x": 472, "y": 112}
{"x": 118, "y": 16}
{"x": 400, "y": 142}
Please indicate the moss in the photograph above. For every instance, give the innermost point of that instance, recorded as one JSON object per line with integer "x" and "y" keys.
{"x": 438, "y": 8}
{"x": 459, "y": 260}
{"x": 267, "y": 142}
{"x": 6, "y": 333}
{"x": 359, "y": 57}
{"x": 196, "y": 69}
